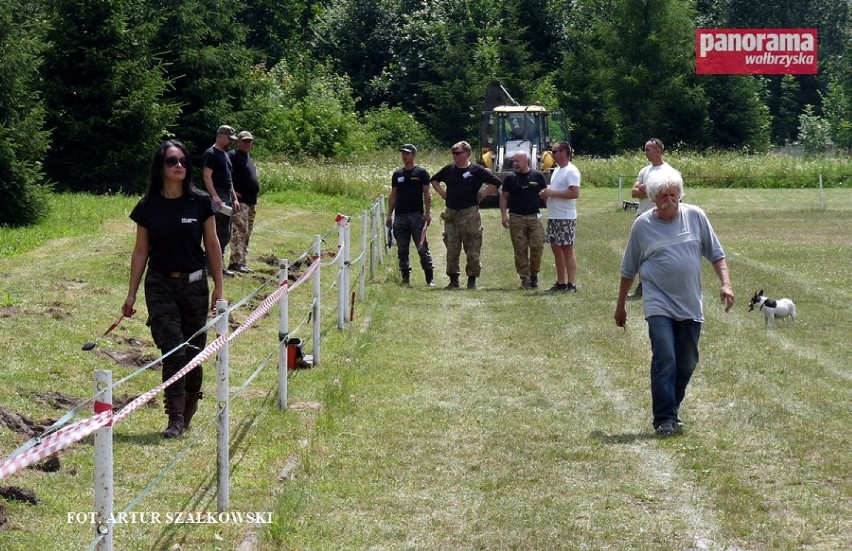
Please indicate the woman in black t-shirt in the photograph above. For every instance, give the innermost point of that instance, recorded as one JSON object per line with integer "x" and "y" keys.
{"x": 172, "y": 220}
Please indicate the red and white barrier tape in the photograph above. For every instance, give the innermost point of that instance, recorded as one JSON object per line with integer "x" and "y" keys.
{"x": 78, "y": 430}
{"x": 55, "y": 442}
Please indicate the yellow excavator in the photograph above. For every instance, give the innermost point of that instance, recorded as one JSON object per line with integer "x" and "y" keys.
{"x": 507, "y": 127}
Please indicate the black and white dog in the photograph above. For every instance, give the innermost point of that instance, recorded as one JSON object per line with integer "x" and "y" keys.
{"x": 772, "y": 309}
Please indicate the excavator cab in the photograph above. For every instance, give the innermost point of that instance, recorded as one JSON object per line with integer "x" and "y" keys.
{"x": 506, "y": 128}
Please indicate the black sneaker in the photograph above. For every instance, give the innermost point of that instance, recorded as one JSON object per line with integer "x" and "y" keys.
{"x": 228, "y": 273}
{"x": 558, "y": 288}
{"x": 243, "y": 269}
{"x": 666, "y": 428}
{"x": 570, "y": 288}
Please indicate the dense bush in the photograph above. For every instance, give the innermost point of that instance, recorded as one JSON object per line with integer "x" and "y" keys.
{"x": 310, "y": 112}
{"x": 392, "y": 127}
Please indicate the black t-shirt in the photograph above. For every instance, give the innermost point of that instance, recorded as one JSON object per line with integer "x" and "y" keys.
{"x": 220, "y": 162}
{"x": 175, "y": 230}
{"x": 463, "y": 184}
{"x": 246, "y": 182}
{"x": 409, "y": 189}
{"x": 523, "y": 190}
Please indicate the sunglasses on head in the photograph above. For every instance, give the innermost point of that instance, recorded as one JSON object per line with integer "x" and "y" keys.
{"x": 174, "y": 161}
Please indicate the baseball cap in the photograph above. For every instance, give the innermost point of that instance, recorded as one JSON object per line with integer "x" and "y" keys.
{"x": 245, "y": 135}
{"x": 227, "y": 130}
{"x": 408, "y": 148}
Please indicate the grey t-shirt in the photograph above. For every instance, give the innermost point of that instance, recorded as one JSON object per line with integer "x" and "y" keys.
{"x": 667, "y": 256}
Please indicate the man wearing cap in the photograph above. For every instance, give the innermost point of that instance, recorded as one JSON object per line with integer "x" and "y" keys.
{"x": 411, "y": 201}
{"x": 247, "y": 188}
{"x": 219, "y": 183}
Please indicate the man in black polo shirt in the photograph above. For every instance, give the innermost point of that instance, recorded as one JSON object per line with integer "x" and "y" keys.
{"x": 247, "y": 188}
{"x": 521, "y": 196}
{"x": 411, "y": 201}
{"x": 462, "y": 223}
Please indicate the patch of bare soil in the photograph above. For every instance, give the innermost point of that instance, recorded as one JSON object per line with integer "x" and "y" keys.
{"x": 130, "y": 358}
{"x": 56, "y": 312}
{"x": 20, "y": 424}
{"x": 9, "y": 311}
{"x": 132, "y": 341}
{"x": 15, "y": 493}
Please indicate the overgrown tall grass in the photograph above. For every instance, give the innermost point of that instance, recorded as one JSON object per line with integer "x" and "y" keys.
{"x": 725, "y": 169}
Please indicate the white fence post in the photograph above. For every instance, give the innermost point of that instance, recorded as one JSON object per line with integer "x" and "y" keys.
{"x": 821, "y": 199}
{"x": 283, "y": 335}
{"x": 372, "y": 242}
{"x": 363, "y": 256}
{"x": 341, "y": 273}
{"x": 347, "y": 265}
{"x": 223, "y": 429}
{"x": 620, "y": 183}
{"x": 317, "y": 297}
{"x": 103, "y": 463}
{"x": 383, "y": 242}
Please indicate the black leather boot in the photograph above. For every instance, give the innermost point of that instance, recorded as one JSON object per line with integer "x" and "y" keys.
{"x": 471, "y": 282}
{"x": 175, "y": 406}
{"x": 454, "y": 282}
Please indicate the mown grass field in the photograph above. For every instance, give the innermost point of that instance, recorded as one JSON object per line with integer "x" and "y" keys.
{"x": 494, "y": 419}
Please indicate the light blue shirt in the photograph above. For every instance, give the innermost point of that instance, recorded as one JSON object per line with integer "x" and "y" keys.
{"x": 667, "y": 255}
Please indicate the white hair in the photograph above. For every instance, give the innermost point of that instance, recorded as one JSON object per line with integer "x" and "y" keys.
{"x": 663, "y": 180}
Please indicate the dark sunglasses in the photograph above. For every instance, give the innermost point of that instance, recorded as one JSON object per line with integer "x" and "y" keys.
{"x": 174, "y": 161}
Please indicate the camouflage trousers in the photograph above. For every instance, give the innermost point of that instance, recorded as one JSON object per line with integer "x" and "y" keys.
{"x": 527, "y": 235}
{"x": 408, "y": 227}
{"x": 176, "y": 310}
{"x": 463, "y": 230}
{"x": 242, "y": 224}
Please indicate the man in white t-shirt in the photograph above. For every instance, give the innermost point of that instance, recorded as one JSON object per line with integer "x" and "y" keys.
{"x": 561, "y": 197}
{"x": 654, "y": 152}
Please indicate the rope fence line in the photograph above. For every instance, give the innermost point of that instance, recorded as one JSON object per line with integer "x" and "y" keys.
{"x": 65, "y": 432}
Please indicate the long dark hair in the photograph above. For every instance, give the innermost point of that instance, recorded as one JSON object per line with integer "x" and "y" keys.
{"x": 157, "y": 169}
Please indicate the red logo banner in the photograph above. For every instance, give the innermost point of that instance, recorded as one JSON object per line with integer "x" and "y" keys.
{"x": 756, "y": 51}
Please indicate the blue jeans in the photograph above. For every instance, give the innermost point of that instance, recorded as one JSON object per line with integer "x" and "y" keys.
{"x": 674, "y": 355}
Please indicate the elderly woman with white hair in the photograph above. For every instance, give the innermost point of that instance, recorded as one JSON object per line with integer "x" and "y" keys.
{"x": 665, "y": 247}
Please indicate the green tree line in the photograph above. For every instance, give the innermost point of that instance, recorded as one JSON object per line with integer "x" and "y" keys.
{"x": 90, "y": 87}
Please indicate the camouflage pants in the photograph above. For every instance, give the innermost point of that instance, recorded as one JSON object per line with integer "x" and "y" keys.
{"x": 408, "y": 227}
{"x": 527, "y": 235}
{"x": 176, "y": 310}
{"x": 242, "y": 224}
{"x": 463, "y": 230}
